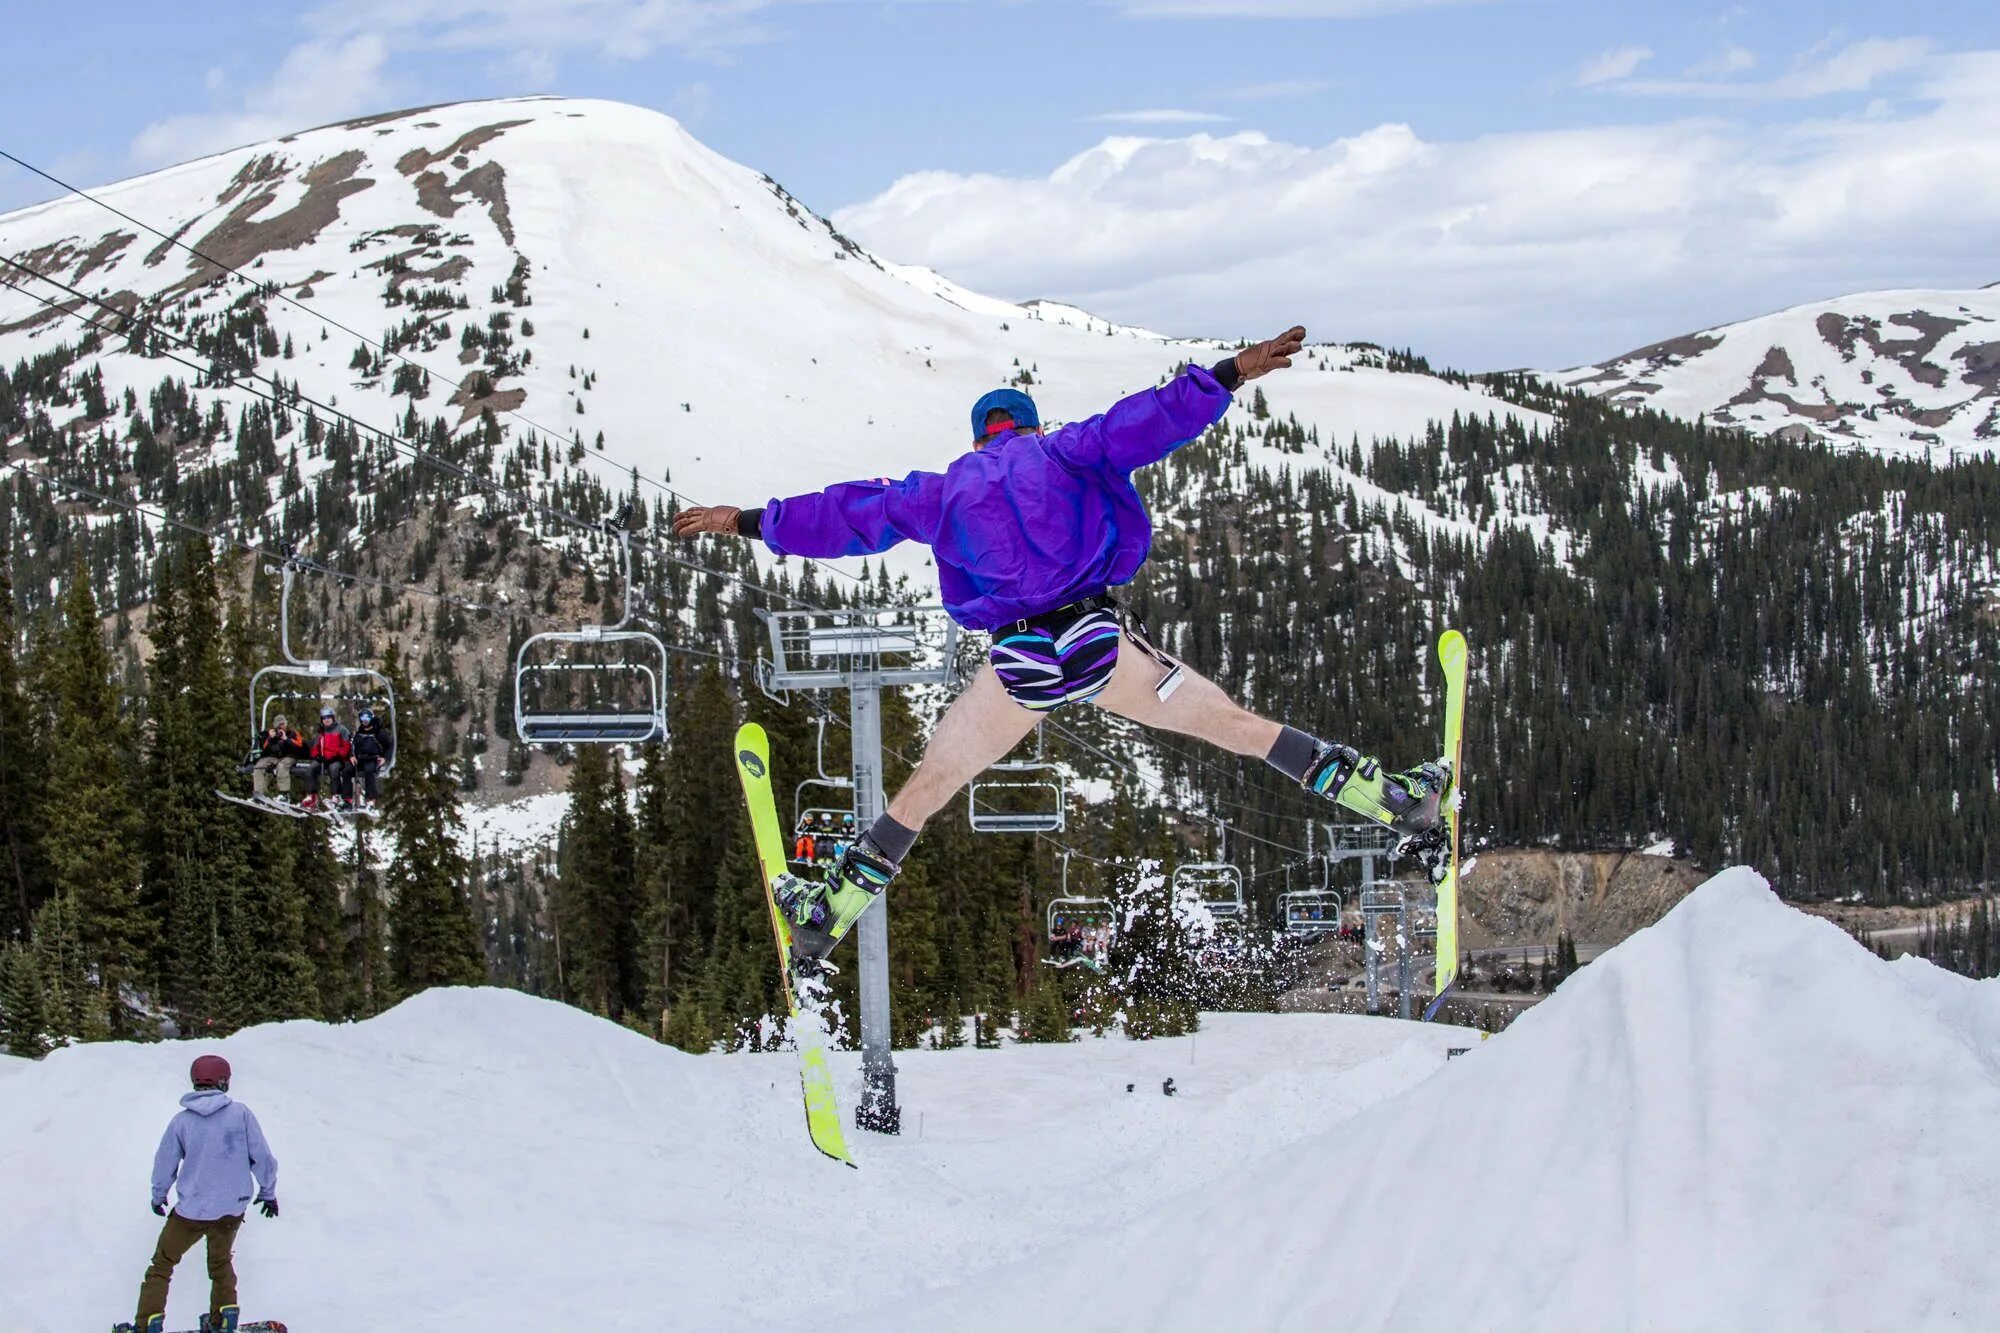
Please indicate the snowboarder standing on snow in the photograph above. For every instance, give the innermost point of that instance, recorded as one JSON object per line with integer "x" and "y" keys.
{"x": 1031, "y": 530}
{"x": 211, "y": 1154}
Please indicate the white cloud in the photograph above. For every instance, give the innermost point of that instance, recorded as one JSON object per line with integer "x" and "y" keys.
{"x": 1612, "y": 65}
{"x": 1731, "y": 59}
{"x": 317, "y": 82}
{"x": 693, "y": 102}
{"x": 1274, "y": 9}
{"x": 1162, "y": 116}
{"x": 1855, "y": 68}
{"x": 341, "y": 65}
{"x": 1548, "y": 246}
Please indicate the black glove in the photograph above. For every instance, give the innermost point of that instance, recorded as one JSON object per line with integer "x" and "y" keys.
{"x": 269, "y": 1207}
{"x": 159, "y": 1210}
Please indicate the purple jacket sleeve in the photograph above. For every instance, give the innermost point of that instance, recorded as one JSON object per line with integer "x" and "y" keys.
{"x": 263, "y": 1162}
{"x": 167, "y": 1160}
{"x": 855, "y": 517}
{"x": 1145, "y": 427}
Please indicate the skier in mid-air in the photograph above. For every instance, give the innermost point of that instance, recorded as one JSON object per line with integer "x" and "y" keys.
{"x": 1031, "y": 530}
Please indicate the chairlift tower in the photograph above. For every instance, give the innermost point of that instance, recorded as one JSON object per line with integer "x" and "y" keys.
{"x": 863, "y": 651}
{"x": 1380, "y": 900}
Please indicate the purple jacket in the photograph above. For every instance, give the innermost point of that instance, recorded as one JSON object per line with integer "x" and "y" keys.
{"x": 216, "y": 1148}
{"x": 1025, "y": 525}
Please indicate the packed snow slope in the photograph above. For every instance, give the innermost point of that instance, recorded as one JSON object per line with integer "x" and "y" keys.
{"x": 712, "y": 327}
{"x": 1896, "y": 371}
{"x": 1737, "y": 1119}
{"x": 477, "y": 1159}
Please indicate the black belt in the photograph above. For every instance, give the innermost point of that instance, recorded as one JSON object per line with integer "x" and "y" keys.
{"x": 1102, "y": 601}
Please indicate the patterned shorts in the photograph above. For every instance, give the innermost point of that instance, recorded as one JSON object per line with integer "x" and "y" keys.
{"x": 1063, "y": 657}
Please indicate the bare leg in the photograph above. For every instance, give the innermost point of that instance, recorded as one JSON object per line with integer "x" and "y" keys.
{"x": 1198, "y": 708}
{"x": 979, "y": 728}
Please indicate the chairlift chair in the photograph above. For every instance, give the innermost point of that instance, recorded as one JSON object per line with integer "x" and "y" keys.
{"x": 1023, "y": 796}
{"x": 1218, "y": 883}
{"x": 835, "y": 821}
{"x": 1310, "y": 912}
{"x": 309, "y": 684}
{"x": 618, "y": 701}
{"x": 1090, "y": 914}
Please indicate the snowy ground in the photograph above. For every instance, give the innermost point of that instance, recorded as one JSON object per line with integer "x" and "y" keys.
{"x": 1737, "y": 1119}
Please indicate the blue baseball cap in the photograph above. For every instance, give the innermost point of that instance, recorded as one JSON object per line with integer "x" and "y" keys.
{"x": 1011, "y": 401}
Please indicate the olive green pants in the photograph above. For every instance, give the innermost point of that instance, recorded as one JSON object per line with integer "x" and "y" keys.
{"x": 177, "y": 1237}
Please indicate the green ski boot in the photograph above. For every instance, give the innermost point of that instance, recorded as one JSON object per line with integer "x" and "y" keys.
{"x": 1407, "y": 802}
{"x": 822, "y": 911}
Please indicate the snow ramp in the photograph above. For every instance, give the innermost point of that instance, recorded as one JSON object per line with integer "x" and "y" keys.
{"x": 1737, "y": 1119}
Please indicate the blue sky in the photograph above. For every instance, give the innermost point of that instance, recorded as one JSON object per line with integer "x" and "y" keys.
{"x": 1494, "y": 181}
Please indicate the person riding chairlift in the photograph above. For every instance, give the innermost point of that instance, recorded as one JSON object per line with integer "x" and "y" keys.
{"x": 333, "y": 753}
{"x": 373, "y": 749}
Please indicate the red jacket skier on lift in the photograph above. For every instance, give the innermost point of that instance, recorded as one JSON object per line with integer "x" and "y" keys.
{"x": 1031, "y": 530}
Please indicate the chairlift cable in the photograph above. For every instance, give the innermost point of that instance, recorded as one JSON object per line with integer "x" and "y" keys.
{"x": 273, "y": 289}
{"x": 416, "y": 453}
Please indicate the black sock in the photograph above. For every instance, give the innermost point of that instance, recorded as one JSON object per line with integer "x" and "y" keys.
{"x": 891, "y": 839}
{"x": 1292, "y": 753}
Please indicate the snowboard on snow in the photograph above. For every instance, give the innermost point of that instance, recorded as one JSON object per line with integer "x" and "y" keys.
{"x": 260, "y": 1326}
{"x": 804, "y": 979}
{"x": 1442, "y": 859}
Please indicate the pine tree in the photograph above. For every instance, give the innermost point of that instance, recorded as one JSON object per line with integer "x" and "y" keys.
{"x": 1152, "y": 956}
{"x": 597, "y": 897}
{"x": 197, "y": 875}
{"x": 23, "y": 770}
{"x": 433, "y": 938}
{"x": 93, "y": 832}
{"x": 24, "y": 1017}
{"x": 1047, "y": 1016}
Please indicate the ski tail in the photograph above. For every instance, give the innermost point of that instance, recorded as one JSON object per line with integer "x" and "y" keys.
{"x": 803, "y": 995}
{"x": 1451, "y": 656}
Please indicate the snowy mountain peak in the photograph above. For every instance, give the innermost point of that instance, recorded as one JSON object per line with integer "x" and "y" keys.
{"x": 1899, "y": 371}
{"x": 587, "y": 267}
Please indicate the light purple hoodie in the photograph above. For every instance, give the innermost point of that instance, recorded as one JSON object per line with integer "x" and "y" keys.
{"x": 216, "y": 1148}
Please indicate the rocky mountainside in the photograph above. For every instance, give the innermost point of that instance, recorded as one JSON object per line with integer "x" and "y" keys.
{"x": 1899, "y": 371}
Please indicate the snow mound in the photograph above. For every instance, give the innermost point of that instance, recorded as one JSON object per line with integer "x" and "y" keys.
{"x": 1737, "y": 1119}
{"x": 481, "y": 1159}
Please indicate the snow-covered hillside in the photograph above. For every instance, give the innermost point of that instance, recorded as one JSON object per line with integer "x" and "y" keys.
{"x": 733, "y": 341}
{"x": 1898, "y": 371}
{"x": 1736, "y": 1119}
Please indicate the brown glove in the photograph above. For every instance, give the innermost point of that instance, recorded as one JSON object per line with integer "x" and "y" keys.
{"x": 711, "y": 518}
{"x": 1265, "y": 357}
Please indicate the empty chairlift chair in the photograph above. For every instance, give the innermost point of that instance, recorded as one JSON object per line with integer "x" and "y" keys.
{"x": 1218, "y": 883}
{"x": 617, "y": 699}
{"x": 1022, "y": 796}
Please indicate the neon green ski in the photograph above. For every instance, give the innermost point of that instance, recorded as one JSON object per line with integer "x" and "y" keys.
{"x": 1451, "y": 656}
{"x": 804, "y": 988}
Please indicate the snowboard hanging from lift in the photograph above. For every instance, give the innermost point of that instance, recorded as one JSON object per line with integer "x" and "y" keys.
{"x": 804, "y": 979}
{"x": 1441, "y": 857}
